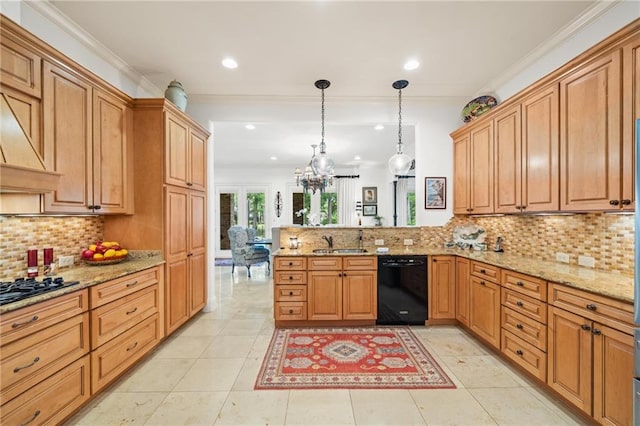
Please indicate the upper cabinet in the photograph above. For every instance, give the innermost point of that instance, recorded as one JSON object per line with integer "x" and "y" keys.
{"x": 630, "y": 113}
{"x": 185, "y": 153}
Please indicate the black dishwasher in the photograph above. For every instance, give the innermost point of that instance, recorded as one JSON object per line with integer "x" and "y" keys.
{"x": 402, "y": 290}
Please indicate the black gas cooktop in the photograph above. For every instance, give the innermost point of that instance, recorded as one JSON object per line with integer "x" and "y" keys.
{"x": 23, "y": 288}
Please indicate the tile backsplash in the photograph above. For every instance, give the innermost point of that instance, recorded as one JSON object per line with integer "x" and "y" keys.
{"x": 67, "y": 235}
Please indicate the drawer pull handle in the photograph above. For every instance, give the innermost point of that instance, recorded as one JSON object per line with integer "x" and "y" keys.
{"x": 17, "y": 369}
{"x": 520, "y": 284}
{"x": 132, "y": 347}
{"x": 519, "y": 303}
{"x": 36, "y": 414}
{"x": 519, "y": 326}
{"x": 585, "y": 327}
{"x": 596, "y": 332}
{"x": 132, "y": 284}
{"x": 132, "y": 311}
{"x": 483, "y": 271}
{"x": 591, "y": 307}
{"x": 519, "y": 352}
{"x": 20, "y": 324}
{"x": 290, "y": 311}
{"x": 482, "y": 283}
{"x": 290, "y": 293}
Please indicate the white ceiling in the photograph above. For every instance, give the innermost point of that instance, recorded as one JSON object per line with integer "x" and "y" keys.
{"x": 464, "y": 48}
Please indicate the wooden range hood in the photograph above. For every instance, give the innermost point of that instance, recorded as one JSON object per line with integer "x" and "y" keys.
{"x": 21, "y": 169}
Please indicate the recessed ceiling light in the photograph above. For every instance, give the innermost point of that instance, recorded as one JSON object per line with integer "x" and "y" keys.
{"x": 273, "y": 157}
{"x": 411, "y": 65}
{"x": 229, "y": 63}
{"x": 379, "y": 127}
{"x": 249, "y": 127}
{"x": 357, "y": 157}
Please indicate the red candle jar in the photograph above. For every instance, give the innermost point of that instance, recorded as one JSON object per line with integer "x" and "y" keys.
{"x": 32, "y": 263}
{"x": 48, "y": 256}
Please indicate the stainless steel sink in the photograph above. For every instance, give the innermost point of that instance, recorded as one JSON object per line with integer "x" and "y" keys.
{"x": 339, "y": 251}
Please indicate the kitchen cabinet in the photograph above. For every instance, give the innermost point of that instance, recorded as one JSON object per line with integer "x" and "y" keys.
{"x": 28, "y": 112}
{"x": 473, "y": 170}
{"x": 87, "y": 138}
{"x": 484, "y": 302}
{"x": 169, "y": 212}
{"x": 630, "y": 113}
{"x": 442, "y": 287}
{"x": 290, "y": 289}
{"x": 591, "y": 353}
{"x": 44, "y": 360}
{"x": 463, "y": 271}
{"x": 342, "y": 288}
{"x": 527, "y": 154}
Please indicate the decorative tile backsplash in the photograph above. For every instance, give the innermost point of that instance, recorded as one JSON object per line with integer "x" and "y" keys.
{"x": 67, "y": 235}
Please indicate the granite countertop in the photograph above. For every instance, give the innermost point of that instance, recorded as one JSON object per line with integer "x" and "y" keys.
{"x": 89, "y": 275}
{"x": 604, "y": 283}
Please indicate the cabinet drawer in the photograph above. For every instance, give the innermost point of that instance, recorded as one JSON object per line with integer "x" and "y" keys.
{"x": 19, "y": 323}
{"x": 527, "y": 356}
{"x": 30, "y": 360}
{"x": 613, "y": 313}
{"x": 525, "y": 328}
{"x": 112, "y": 319}
{"x": 52, "y": 400}
{"x": 525, "y": 305}
{"x": 115, "y": 356}
{"x": 525, "y": 284}
{"x": 360, "y": 263}
{"x": 488, "y": 272}
{"x": 20, "y": 68}
{"x": 290, "y": 263}
{"x": 291, "y": 293}
{"x": 290, "y": 277}
{"x": 291, "y": 311}
{"x": 109, "y": 291}
{"x": 324, "y": 263}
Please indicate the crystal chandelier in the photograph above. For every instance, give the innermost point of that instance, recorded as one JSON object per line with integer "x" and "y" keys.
{"x": 309, "y": 179}
{"x": 400, "y": 163}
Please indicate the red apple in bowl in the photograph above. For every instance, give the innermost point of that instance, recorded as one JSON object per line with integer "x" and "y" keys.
{"x": 87, "y": 254}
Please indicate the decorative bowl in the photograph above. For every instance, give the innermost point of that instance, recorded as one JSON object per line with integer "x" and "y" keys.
{"x": 108, "y": 261}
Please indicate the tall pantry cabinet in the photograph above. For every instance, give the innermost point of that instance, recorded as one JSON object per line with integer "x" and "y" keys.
{"x": 170, "y": 204}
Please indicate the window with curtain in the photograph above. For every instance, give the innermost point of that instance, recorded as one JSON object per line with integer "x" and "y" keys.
{"x": 329, "y": 208}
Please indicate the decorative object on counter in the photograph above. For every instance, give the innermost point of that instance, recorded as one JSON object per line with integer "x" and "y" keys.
{"x": 468, "y": 235}
{"x": 449, "y": 244}
{"x": 104, "y": 252}
{"x": 176, "y": 94}
{"x": 104, "y": 262}
{"x": 478, "y": 106}
{"x": 480, "y": 246}
{"x": 371, "y": 210}
{"x": 349, "y": 358}
{"x": 278, "y": 204}
{"x": 369, "y": 195}
{"x": 294, "y": 243}
{"x": 400, "y": 163}
{"x": 378, "y": 220}
{"x": 435, "y": 193}
{"x": 32, "y": 262}
{"x": 319, "y": 172}
{"x": 49, "y": 265}
{"x": 498, "y": 247}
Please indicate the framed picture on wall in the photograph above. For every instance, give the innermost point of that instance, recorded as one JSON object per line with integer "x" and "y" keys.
{"x": 369, "y": 195}
{"x": 371, "y": 210}
{"x": 435, "y": 193}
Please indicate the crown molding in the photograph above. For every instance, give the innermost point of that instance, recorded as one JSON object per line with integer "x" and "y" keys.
{"x": 565, "y": 33}
{"x": 241, "y": 99}
{"x": 53, "y": 14}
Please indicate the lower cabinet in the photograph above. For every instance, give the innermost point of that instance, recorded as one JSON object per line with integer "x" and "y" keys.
{"x": 290, "y": 289}
{"x": 462, "y": 290}
{"x": 484, "y": 310}
{"x": 442, "y": 287}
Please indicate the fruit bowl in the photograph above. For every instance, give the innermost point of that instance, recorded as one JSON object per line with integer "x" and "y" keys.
{"x": 107, "y": 261}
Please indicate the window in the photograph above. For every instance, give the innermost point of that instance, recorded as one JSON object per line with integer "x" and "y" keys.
{"x": 255, "y": 212}
{"x": 329, "y": 208}
{"x": 411, "y": 208}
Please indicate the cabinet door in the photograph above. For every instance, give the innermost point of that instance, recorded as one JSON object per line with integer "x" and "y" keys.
{"x": 590, "y": 143}
{"x": 631, "y": 113}
{"x": 462, "y": 290}
{"x": 177, "y": 303}
{"x": 176, "y": 150}
{"x": 541, "y": 151}
{"x": 324, "y": 295}
{"x": 508, "y": 161}
{"x": 197, "y": 161}
{"x": 197, "y": 221}
{"x": 484, "y": 310}
{"x": 110, "y": 154}
{"x": 28, "y": 111}
{"x": 442, "y": 288}
{"x": 177, "y": 223}
{"x": 612, "y": 376}
{"x": 20, "y": 68}
{"x": 569, "y": 356}
{"x": 360, "y": 295}
{"x": 68, "y": 139}
{"x": 481, "y": 141}
{"x": 461, "y": 189}
{"x": 198, "y": 282}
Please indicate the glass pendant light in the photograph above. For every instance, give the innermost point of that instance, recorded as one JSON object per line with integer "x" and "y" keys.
{"x": 400, "y": 163}
{"x": 322, "y": 164}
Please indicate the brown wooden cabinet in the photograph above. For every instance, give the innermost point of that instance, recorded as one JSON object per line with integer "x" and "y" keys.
{"x": 484, "y": 302}
{"x": 290, "y": 289}
{"x": 463, "y": 271}
{"x": 442, "y": 287}
{"x": 461, "y": 181}
{"x": 87, "y": 138}
{"x": 630, "y": 113}
{"x": 185, "y": 163}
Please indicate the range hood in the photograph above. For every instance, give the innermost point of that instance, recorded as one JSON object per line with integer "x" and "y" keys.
{"x": 21, "y": 169}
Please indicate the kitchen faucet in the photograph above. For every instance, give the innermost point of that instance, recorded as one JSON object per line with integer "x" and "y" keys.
{"x": 329, "y": 240}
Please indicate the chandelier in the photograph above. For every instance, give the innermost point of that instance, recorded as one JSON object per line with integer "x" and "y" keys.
{"x": 400, "y": 163}
{"x": 310, "y": 180}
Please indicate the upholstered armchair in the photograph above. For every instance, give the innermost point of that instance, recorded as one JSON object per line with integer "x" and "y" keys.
{"x": 243, "y": 254}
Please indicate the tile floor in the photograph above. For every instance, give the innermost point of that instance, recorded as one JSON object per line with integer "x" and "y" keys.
{"x": 204, "y": 374}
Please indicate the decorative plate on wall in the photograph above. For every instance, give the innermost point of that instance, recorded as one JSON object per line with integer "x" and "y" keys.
{"x": 477, "y": 107}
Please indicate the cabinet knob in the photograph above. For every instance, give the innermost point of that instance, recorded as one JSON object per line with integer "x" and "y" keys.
{"x": 290, "y": 263}
{"x": 290, "y": 293}
{"x": 625, "y": 202}
{"x": 97, "y": 207}
{"x": 290, "y": 311}
{"x": 523, "y": 207}
{"x": 189, "y": 184}
{"x": 290, "y": 277}
{"x": 520, "y": 284}
{"x": 591, "y": 307}
{"x": 585, "y": 327}
{"x": 519, "y": 352}
{"x": 519, "y": 303}
{"x": 596, "y": 332}
{"x": 519, "y": 326}
{"x": 483, "y": 271}
{"x": 482, "y": 283}
{"x": 614, "y": 202}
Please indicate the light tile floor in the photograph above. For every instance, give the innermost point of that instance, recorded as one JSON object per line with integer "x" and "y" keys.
{"x": 204, "y": 375}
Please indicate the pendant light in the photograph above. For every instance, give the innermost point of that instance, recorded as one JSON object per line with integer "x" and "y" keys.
{"x": 322, "y": 164}
{"x": 400, "y": 163}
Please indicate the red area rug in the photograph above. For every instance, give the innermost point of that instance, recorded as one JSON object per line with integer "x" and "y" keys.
{"x": 349, "y": 358}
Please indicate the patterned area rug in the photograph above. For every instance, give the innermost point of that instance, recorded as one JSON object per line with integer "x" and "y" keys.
{"x": 349, "y": 358}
